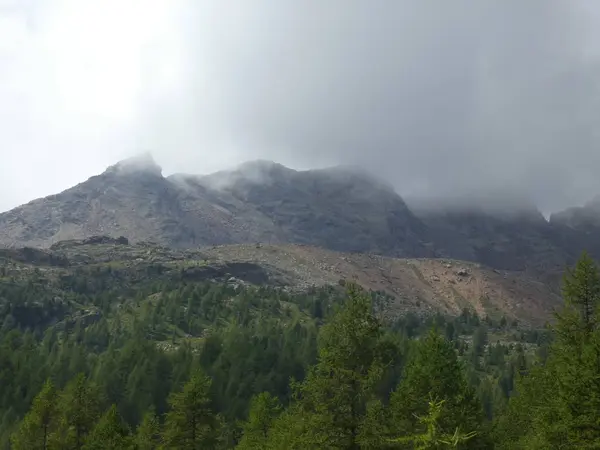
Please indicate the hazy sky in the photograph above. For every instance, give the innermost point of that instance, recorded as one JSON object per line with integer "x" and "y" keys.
{"x": 439, "y": 97}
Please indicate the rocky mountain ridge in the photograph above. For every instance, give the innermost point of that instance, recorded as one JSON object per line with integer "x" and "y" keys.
{"x": 342, "y": 209}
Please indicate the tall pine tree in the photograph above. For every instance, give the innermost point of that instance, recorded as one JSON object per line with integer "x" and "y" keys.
{"x": 562, "y": 398}
{"x": 433, "y": 373}
{"x": 147, "y": 436}
{"x": 80, "y": 408}
{"x": 110, "y": 433}
{"x": 331, "y": 402}
{"x": 35, "y": 429}
{"x": 191, "y": 423}
{"x": 263, "y": 410}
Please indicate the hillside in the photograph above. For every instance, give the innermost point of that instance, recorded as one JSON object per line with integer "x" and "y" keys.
{"x": 125, "y": 327}
{"x": 417, "y": 285}
{"x": 442, "y": 285}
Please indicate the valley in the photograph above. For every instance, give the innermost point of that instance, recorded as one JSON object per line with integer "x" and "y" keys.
{"x": 263, "y": 291}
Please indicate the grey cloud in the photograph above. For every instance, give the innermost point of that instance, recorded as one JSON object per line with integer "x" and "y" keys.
{"x": 461, "y": 99}
{"x": 438, "y": 97}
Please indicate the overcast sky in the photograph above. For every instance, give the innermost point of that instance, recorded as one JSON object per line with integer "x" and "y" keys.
{"x": 439, "y": 97}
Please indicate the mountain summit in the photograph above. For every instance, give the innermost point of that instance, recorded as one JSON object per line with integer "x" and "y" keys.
{"x": 340, "y": 208}
{"x": 144, "y": 162}
{"x": 260, "y": 201}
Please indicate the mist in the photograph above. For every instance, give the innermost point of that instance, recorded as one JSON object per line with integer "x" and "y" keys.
{"x": 463, "y": 100}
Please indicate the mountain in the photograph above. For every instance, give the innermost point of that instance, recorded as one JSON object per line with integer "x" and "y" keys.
{"x": 133, "y": 199}
{"x": 581, "y": 226}
{"x": 519, "y": 240}
{"x": 127, "y": 325}
{"x": 342, "y": 209}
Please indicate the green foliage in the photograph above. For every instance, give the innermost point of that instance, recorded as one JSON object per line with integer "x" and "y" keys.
{"x": 255, "y": 431}
{"x": 201, "y": 364}
{"x": 147, "y": 436}
{"x": 434, "y": 371}
{"x": 557, "y": 404}
{"x": 432, "y": 438}
{"x": 191, "y": 424}
{"x": 80, "y": 408}
{"x": 110, "y": 433}
{"x": 38, "y": 424}
{"x": 336, "y": 390}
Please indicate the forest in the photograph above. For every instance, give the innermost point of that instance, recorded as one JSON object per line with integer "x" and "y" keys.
{"x": 214, "y": 365}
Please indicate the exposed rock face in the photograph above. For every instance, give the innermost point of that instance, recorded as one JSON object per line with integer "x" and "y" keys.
{"x": 523, "y": 241}
{"x": 580, "y": 226}
{"x": 341, "y": 208}
{"x": 258, "y": 202}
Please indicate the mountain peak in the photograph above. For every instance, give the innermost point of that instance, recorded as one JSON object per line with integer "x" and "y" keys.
{"x": 143, "y": 162}
{"x": 260, "y": 168}
{"x": 347, "y": 171}
{"x": 259, "y": 171}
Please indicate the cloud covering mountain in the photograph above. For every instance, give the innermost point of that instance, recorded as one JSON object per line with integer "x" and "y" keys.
{"x": 450, "y": 99}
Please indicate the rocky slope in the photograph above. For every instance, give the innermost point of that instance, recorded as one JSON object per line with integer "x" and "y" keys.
{"x": 419, "y": 285}
{"x": 520, "y": 241}
{"x": 342, "y": 209}
{"x": 132, "y": 199}
{"x": 259, "y": 202}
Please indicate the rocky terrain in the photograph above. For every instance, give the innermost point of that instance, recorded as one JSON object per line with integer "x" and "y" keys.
{"x": 259, "y": 202}
{"x": 341, "y": 209}
{"x": 419, "y": 285}
{"x": 422, "y": 284}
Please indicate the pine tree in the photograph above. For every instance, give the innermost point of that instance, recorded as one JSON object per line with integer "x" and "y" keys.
{"x": 575, "y": 361}
{"x": 35, "y": 429}
{"x": 191, "y": 424}
{"x": 79, "y": 407}
{"x": 432, "y": 437}
{"x": 522, "y": 424}
{"x": 332, "y": 400}
{"x": 434, "y": 371}
{"x": 556, "y": 406}
{"x": 147, "y": 436}
{"x": 264, "y": 408}
{"x": 298, "y": 429}
{"x": 110, "y": 433}
{"x": 581, "y": 292}
{"x": 373, "y": 430}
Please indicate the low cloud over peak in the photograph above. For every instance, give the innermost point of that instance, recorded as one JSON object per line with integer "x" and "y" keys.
{"x": 442, "y": 99}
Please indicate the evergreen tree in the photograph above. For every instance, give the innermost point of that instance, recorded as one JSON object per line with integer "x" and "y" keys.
{"x": 263, "y": 410}
{"x": 79, "y": 407}
{"x": 581, "y": 292}
{"x": 373, "y": 433}
{"x": 332, "y": 400}
{"x": 147, "y": 436}
{"x": 35, "y": 429}
{"x": 191, "y": 423}
{"x": 434, "y": 371}
{"x": 432, "y": 437}
{"x": 562, "y": 398}
{"x": 110, "y": 433}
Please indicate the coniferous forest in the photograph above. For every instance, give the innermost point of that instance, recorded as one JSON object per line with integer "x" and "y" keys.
{"x": 206, "y": 364}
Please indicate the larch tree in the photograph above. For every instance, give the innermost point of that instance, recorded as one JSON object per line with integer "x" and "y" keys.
{"x": 191, "y": 424}
{"x": 36, "y": 427}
